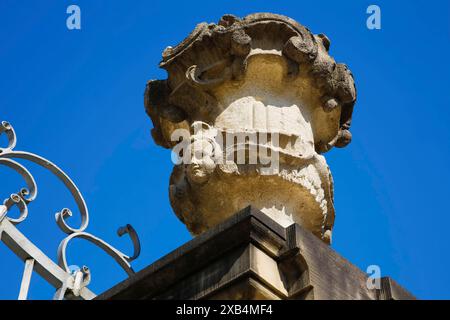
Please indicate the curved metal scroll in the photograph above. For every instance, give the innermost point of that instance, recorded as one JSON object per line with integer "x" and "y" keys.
{"x": 25, "y": 195}
{"x": 122, "y": 259}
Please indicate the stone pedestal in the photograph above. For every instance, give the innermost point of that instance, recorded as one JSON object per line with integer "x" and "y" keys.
{"x": 250, "y": 256}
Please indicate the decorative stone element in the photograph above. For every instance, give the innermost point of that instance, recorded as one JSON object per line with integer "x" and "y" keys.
{"x": 250, "y": 256}
{"x": 266, "y": 75}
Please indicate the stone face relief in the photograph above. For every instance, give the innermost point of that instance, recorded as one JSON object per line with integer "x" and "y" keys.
{"x": 269, "y": 79}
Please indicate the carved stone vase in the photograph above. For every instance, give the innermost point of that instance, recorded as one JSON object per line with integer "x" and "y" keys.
{"x": 266, "y": 85}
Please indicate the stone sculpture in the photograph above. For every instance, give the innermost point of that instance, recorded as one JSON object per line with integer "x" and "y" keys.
{"x": 267, "y": 86}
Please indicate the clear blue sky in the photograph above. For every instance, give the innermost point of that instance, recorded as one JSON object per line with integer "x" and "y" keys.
{"x": 76, "y": 97}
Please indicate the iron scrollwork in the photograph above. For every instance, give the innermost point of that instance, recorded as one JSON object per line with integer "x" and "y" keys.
{"x": 70, "y": 282}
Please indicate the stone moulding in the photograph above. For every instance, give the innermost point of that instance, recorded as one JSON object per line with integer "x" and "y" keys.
{"x": 250, "y": 256}
{"x": 264, "y": 73}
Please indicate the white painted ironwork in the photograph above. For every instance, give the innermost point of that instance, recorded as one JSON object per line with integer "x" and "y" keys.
{"x": 69, "y": 284}
{"x": 26, "y": 279}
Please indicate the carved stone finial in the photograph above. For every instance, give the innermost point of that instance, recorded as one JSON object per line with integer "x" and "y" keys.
{"x": 263, "y": 74}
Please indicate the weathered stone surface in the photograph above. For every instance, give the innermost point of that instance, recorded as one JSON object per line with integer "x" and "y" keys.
{"x": 264, "y": 73}
{"x": 250, "y": 256}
